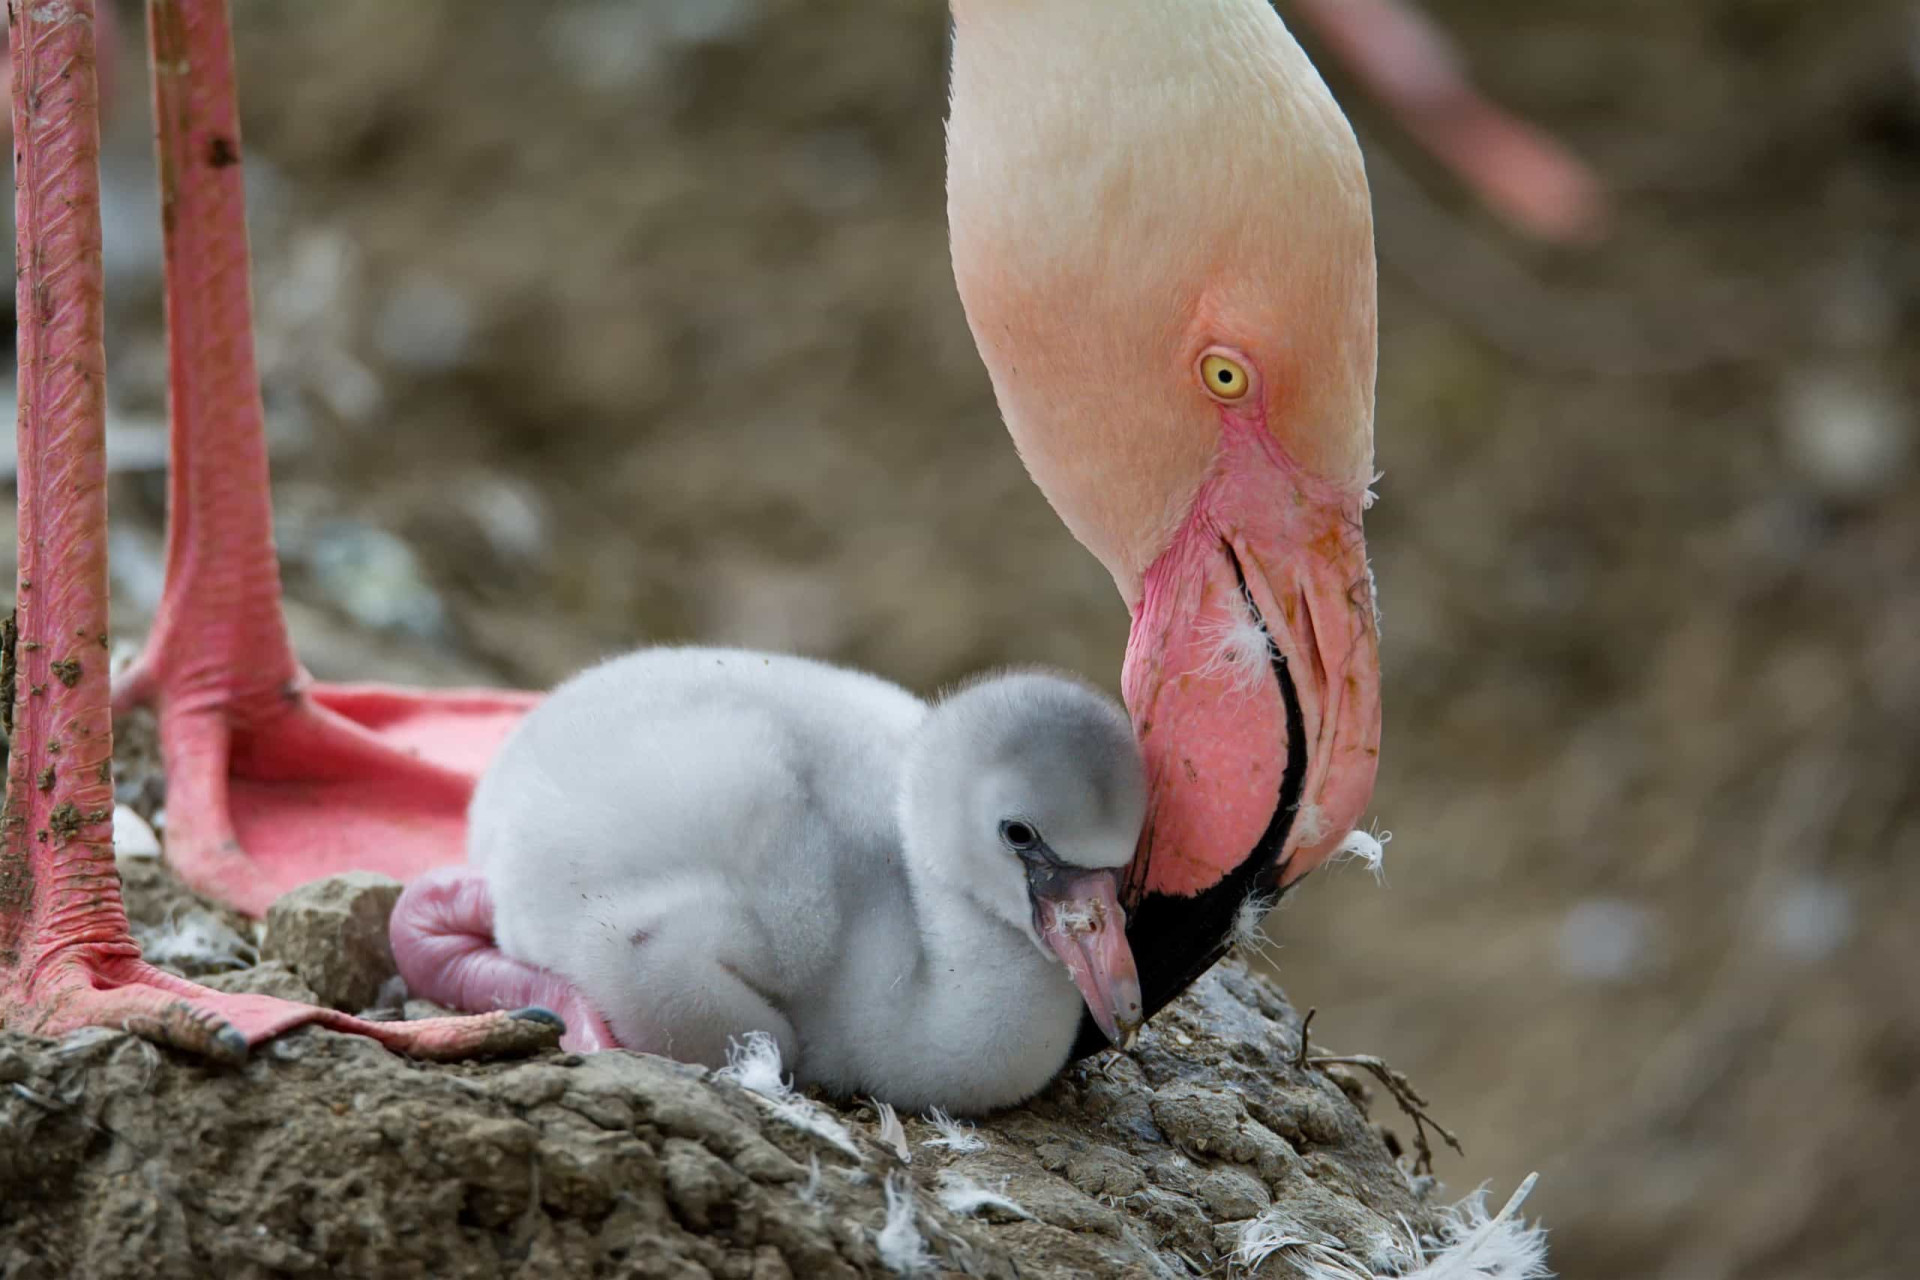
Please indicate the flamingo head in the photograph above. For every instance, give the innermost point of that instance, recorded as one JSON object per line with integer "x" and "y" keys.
{"x": 1163, "y": 239}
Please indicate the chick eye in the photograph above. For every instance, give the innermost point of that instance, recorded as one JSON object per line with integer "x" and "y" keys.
{"x": 1224, "y": 379}
{"x": 1019, "y": 836}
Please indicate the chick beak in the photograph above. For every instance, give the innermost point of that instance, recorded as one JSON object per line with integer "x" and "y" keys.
{"x": 1078, "y": 912}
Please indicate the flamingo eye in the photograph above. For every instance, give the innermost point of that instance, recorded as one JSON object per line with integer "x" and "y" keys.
{"x": 1020, "y": 836}
{"x": 1224, "y": 379}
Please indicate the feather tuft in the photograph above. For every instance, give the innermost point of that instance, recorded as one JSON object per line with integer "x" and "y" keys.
{"x": 962, "y": 1195}
{"x": 1472, "y": 1246}
{"x": 892, "y": 1133}
{"x": 754, "y": 1064}
{"x": 1468, "y": 1246}
{"x": 902, "y": 1248}
{"x": 956, "y": 1136}
{"x": 1239, "y": 652}
{"x": 1368, "y": 848}
{"x": 810, "y": 1193}
{"x": 1249, "y": 917}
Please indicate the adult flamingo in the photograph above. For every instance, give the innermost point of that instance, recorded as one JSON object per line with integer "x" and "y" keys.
{"x": 1163, "y": 239}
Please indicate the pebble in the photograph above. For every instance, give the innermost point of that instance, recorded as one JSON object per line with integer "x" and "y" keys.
{"x": 1811, "y": 919}
{"x": 333, "y": 934}
{"x": 1850, "y": 436}
{"x": 132, "y": 837}
{"x": 1605, "y": 940}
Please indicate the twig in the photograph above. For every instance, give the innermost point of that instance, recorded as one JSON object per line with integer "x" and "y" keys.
{"x": 1306, "y": 1029}
{"x": 1404, "y": 1094}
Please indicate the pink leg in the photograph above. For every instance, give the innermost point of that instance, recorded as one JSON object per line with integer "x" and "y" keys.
{"x": 272, "y": 779}
{"x": 1406, "y": 62}
{"x": 106, "y": 64}
{"x": 66, "y": 957}
{"x": 442, "y": 935}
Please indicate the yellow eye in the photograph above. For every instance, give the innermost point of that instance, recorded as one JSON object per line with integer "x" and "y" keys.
{"x": 1224, "y": 379}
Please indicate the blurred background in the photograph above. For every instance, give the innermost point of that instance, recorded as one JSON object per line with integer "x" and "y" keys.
{"x": 595, "y": 323}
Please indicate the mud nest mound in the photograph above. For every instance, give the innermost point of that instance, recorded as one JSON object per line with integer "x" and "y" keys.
{"x": 326, "y": 1154}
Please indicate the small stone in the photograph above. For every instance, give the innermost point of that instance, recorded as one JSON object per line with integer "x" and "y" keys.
{"x": 426, "y": 325}
{"x": 1810, "y": 919}
{"x": 333, "y": 934}
{"x": 1606, "y": 940}
{"x": 374, "y": 577}
{"x": 1231, "y": 1194}
{"x": 132, "y": 837}
{"x": 1849, "y": 434}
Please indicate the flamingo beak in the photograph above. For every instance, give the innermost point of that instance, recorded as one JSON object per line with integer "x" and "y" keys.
{"x": 1253, "y": 678}
{"x": 1079, "y": 914}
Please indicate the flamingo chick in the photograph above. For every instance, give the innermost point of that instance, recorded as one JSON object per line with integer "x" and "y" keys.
{"x": 914, "y": 901}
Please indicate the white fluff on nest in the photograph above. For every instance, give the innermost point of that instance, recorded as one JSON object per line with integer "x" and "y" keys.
{"x": 1469, "y": 1246}
{"x": 902, "y": 1248}
{"x": 755, "y": 1067}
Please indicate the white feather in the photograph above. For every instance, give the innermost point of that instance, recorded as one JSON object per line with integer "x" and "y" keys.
{"x": 1239, "y": 652}
{"x": 962, "y": 1195}
{"x": 1074, "y": 919}
{"x": 957, "y": 1136}
{"x": 1248, "y": 921}
{"x": 754, "y": 1064}
{"x": 1320, "y": 1256}
{"x": 1473, "y": 1246}
{"x": 132, "y": 837}
{"x": 1468, "y": 1246}
{"x": 893, "y": 1133}
{"x": 902, "y": 1248}
{"x": 755, "y": 1067}
{"x": 1368, "y": 848}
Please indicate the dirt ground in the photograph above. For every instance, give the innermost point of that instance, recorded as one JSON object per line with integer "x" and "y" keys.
{"x": 602, "y": 323}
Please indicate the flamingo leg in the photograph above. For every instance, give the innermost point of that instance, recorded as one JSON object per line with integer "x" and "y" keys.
{"x": 442, "y": 934}
{"x": 1413, "y": 69}
{"x": 273, "y": 780}
{"x": 67, "y": 959}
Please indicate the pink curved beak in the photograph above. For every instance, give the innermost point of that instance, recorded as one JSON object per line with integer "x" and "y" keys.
{"x": 1080, "y": 916}
{"x": 1253, "y": 678}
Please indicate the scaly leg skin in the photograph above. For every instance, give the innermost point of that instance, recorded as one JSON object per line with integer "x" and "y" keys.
{"x": 442, "y": 934}
{"x": 106, "y": 67}
{"x": 272, "y": 780}
{"x": 67, "y": 959}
